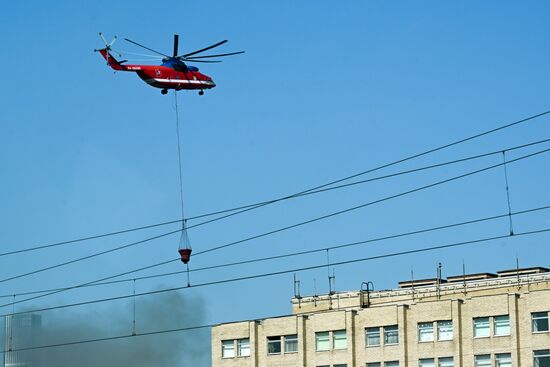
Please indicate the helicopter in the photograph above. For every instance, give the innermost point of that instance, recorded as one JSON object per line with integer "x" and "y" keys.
{"x": 173, "y": 72}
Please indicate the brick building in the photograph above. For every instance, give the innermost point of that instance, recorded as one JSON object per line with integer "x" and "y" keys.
{"x": 474, "y": 320}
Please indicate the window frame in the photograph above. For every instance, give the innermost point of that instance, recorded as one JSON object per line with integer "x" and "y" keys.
{"x": 488, "y": 327}
{"x": 390, "y": 332}
{"x": 483, "y": 355}
{"x": 394, "y": 363}
{"x": 373, "y": 364}
{"x": 439, "y": 339}
{"x": 372, "y": 333}
{"x": 228, "y": 342}
{"x": 540, "y": 318}
{"x": 292, "y": 338}
{"x": 495, "y": 325}
{"x": 543, "y": 353}
{"x": 439, "y": 360}
{"x": 421, "y": 364}
{"x": 497, "y": 355}
{"x": 341, "y": 332}
{"x": 317, "y": 337}
{"x": 274, "y": 340}
{"x": 420, "y": 328}
{"x": 239, "y": 347}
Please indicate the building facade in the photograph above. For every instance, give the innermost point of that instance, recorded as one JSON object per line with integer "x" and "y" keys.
{"x": 475, "y": 320}
{"x": 21, "y": 331}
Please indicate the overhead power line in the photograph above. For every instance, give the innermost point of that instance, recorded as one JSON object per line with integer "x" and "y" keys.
{"x": 270, "y": 274}
{"x": 267, "y": 258}
{"x": 333, "y": 214}
{"x": 290, "y": 226}
{"x": 386, "y": 165}
{"x": 156, "y": 332}
{"x": 131, "y": 244}
{"x": 245, "y": 208}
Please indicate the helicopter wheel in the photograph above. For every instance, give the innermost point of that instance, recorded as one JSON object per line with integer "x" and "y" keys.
{"x": 201, "y": 92}
{"x": 164, "y": 91}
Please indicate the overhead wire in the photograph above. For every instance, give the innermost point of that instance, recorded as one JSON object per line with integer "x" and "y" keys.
{"x": 281, "y": 229}
{"x": 157, "y": 332}
{"x": 87, "y": 257}
{"x": 417, "y": 155}
{"x": 298, "y": 253}
{"x": 281, "y": 272}
{"x": 128, "y": 230}
{"x": 424, "y": 187}
{"x": 247, "y": 207}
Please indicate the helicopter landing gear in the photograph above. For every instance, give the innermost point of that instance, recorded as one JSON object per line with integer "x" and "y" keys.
{"x": 164, "y": 91}
{"x": 201, "y": 92}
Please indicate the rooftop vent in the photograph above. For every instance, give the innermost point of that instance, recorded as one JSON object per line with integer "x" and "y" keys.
{"x": 522, "y": 271}
{"x": 420, "y": 282}
{"x": 467, "y": 277}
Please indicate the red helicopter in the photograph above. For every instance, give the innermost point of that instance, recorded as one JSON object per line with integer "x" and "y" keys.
{"x": 173, "y": 73}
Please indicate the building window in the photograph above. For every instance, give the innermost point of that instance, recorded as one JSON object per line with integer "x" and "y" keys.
{"x": 541, "y": 358}
{"x": 503, "y": 360}
{"x": 322, "y": 341}
{"x": 501, "y": 325}
{"x": 228, "y": 348}
{"x": 445, "y": 330}
{"x": 426, "y": 332}
{"x": 291, "y": 343}
{"x": 243, "y": 347}
{"x": 340, "y": 365}
{"x": 391, "y": 334}
{"x": 540, "y": 322}
{"x": 372, "y": 336}
{"x": 391, "y": 364}
{"x": 273, "y": 345}
{"x": 482, "y": 360}
{"x": 426, "y": 362}
{"x": 373, "y": 364}
{"x": 339, "y": 339}
{"x": 445, "y": 362}
{"x": 481, "y": 327}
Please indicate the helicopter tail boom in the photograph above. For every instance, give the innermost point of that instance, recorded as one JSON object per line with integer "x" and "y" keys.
{"x": 111, "y": 61}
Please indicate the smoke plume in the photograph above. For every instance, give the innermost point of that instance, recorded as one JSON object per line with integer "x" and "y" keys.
{"x": 153, "y": 313}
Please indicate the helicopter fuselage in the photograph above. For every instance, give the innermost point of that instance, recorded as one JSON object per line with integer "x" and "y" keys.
{"x": 166, "y": 76}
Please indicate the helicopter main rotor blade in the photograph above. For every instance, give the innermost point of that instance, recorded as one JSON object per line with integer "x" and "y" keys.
{"x": 209, "y": 61}
{"x": 219, "y": 55}
{"x": 205, "y": 49}
{"x": 176, "y": 39}
{"x": 147, "y": 48}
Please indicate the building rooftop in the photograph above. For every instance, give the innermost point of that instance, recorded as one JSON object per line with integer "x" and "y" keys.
{"x": 413, "y": 291}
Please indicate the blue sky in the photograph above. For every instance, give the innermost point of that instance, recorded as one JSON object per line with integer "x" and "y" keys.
{"x": 324, "y": 90}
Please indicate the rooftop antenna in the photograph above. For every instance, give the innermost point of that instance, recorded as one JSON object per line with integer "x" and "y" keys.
{"x": 332, "y": 283}
{"x": 330, "y": 278}
{"x": 412, "y": 282}
{"x": 315, "y": 292}
{"x": 507, "y": 193}
{"x": 297, "y": 294}
{"x": 438, "y": 282}
{"x": 134, "y": 310}
{"x": 517, "y": 269}
{"x": 464, "y": 276}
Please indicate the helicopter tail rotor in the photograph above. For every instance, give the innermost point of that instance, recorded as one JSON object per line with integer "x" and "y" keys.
{"x": 107, "y": 44}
